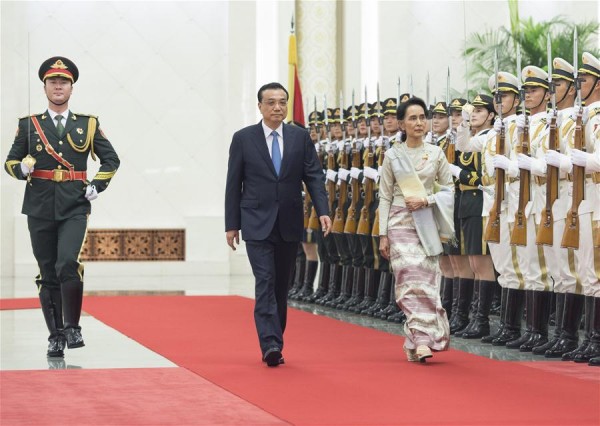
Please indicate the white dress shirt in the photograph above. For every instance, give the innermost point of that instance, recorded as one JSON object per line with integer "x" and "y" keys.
{"x": 269, "y": 138}
{"x": 53, "y": 114}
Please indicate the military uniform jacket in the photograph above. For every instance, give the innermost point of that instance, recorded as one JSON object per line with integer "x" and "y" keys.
{"x": 82, "y": 137}
{"x": 471, "y": 200}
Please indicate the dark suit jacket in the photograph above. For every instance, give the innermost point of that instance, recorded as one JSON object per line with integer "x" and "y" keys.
{"x": 50, "y": 200}
{"x": 255, "y": 196}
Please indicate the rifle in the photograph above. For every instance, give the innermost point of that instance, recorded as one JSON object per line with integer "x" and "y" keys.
{"x": 519, "y": 233}
{"x": 546, "y": 230}
{"x": 570, "y": 237}
{"x": 380, "y": 157}
{"x": 331, "y": 187}
{"x": 313, "y": 221}
{"x": 339, "y": 220}
{"x": 364, "y": 224}
{"x": 450, "y": 146}
{"x": 492, "y": 229}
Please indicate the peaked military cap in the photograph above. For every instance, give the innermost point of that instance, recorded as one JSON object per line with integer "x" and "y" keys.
{"x": 352, "y": 109}
{"x": 485, "y": 101}
{"x": 376, "y": 110}
{"x": 506, "y": 83}
{"x": 404, "y": 97}
{"x": 363, "y": 110}
{"x": 328, "y": 113}
{"x": 440, "y": 108}
{"x": 315, "y": 118}
{"x": 337, "y": 115}
{"x": 58, "y": 66}
{"x": 561, "y": 69}
{"x": 591, "y": 65}
{"x": 533, "y": 76}
{"x": 389, "y": 106}
{"x": 457, "y": 104}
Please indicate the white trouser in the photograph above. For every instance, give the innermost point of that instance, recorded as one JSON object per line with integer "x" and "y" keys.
{"x": 504, "y": 257}
{"x": 532, "y": 261}
{"x": 561, "y": 263}
{"x": 587, "y": 258}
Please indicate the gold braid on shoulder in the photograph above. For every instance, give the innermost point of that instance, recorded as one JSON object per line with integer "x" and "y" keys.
{"x": 89, "y": 141}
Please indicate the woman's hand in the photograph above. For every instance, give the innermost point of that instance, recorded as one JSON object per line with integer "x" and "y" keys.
{"x": 384, "y": 247}
{"x": 415, "y": 203}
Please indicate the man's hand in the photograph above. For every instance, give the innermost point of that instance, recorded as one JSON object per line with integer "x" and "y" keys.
{"x": 26, "y": 170}
{"x": 233, "y": 238}
{"x": 325, "y": 224}
{"x": 455, "y": 170}
{"x": 579, "y": 158}
{"x": 384, "y": 246}
{"x": 91, "y": 193}
{"x": 498, "y": 125}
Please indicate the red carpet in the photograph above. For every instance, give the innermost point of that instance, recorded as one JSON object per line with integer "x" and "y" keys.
{"x": 339, "y": 374}
{"x": 12, "y": 304}
{"x": 153, "y": 396}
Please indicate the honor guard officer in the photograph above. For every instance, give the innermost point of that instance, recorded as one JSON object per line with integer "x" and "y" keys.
{"x": 50, "y": 151}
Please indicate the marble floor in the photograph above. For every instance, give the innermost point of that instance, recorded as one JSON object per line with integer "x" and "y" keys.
{"x": 23, "y": 332}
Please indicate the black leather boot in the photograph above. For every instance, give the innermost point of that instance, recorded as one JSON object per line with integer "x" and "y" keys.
{"x": 309, "y": 280}
{"x": 588, "y": 308}
{"x": 593, "y": 348}
{"x": 372, "y": 276}
{"x": 447, "y": 290}
{"x": 516, "y": 343}
{"x": 346, "y": 288}
{"x": 72, "y": 298}
{"x": 358, "y": 289}
{"x": 482, "y": 316}
{"x": 594, "y": 362}
{"x": 455, "y": 290}
{"x": 370, "y": 291}
{"x": 539, "y": 323}
{"x": 383, "y": 294}
{"x": 298, "y": 276}
{"x": 491, "y": 337}
{"x": 51, "y": 303}
{"x": 472, "y": 310}
{"x": 333, "y": 288}
{"x": 323, "y": 284}
{"x": 496, "y": 300}
{"x": 569, "y": 336}
{"x": 465, "y": 295}
{"x": 392, "y": 306}
{"x": 512, "y": 321}
{"x": 559, "y": 300}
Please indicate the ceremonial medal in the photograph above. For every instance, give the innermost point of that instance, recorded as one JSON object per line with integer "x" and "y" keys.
{"x": 80, "y": 130}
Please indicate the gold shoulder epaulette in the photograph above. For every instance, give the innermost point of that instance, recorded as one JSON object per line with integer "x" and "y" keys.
{"x": 30, "y": 115}
{"x": 85, "y": 115}
{"x": 594, "y": 111}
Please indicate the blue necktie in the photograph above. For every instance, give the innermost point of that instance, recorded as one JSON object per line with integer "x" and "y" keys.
{"x": 276, "y": 153}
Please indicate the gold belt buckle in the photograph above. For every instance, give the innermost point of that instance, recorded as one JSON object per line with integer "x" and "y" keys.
{"x": 59, "y": 175}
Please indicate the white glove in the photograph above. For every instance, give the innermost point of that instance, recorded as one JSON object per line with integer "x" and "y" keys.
{"x": 26, "y": 170}
{"x": 580, "y": 158}
{"x": 379, "y": 170}
{"x": 556, "y": 159}
{"x": 379, "y": 141}
{"x": 429, "y": 137}
{"x": 498, "y": 125}
{"x": 465, "y": 115}
{"x": 520, "y": 122}
{"x": 551, "y": 114}
{"x": 455, "y": 170}
{"x": 355, "y": 173}
{"x": 366, "y": 142}
{"x": 343, "y": 174}
{"x": 91, "y": 193}
{"x": 584, "y": 117}
{"x": 524, "y": 161}
{"x": 331, "y": 175}
{"x": 318, "y": 147}
{"x": 502, "y": 162}
{"x": 371, "y": 173}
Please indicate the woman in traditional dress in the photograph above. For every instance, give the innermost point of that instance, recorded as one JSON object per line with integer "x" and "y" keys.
{"x": 413, "y": 222}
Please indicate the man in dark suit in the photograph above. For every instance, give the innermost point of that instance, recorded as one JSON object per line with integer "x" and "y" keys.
{"x": 50, "y": 152}
{"x": 268, "y": 162}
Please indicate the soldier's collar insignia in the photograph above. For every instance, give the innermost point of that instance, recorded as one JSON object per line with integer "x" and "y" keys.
{"x": 44, "y": 116}
{"x": 74, "y": 117}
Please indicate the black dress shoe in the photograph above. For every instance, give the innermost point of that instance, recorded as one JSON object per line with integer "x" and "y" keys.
{"x": 56, "y": 346}
{"x": 273, "y": 357}
{"x": 74, "y": 337}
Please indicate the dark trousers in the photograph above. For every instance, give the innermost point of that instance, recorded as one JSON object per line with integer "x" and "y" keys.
{"x": 272, "y": 262}
{"x": 56, "y": 247}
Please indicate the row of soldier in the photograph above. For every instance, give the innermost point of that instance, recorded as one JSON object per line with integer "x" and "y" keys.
{"x": 527, "y": 197}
